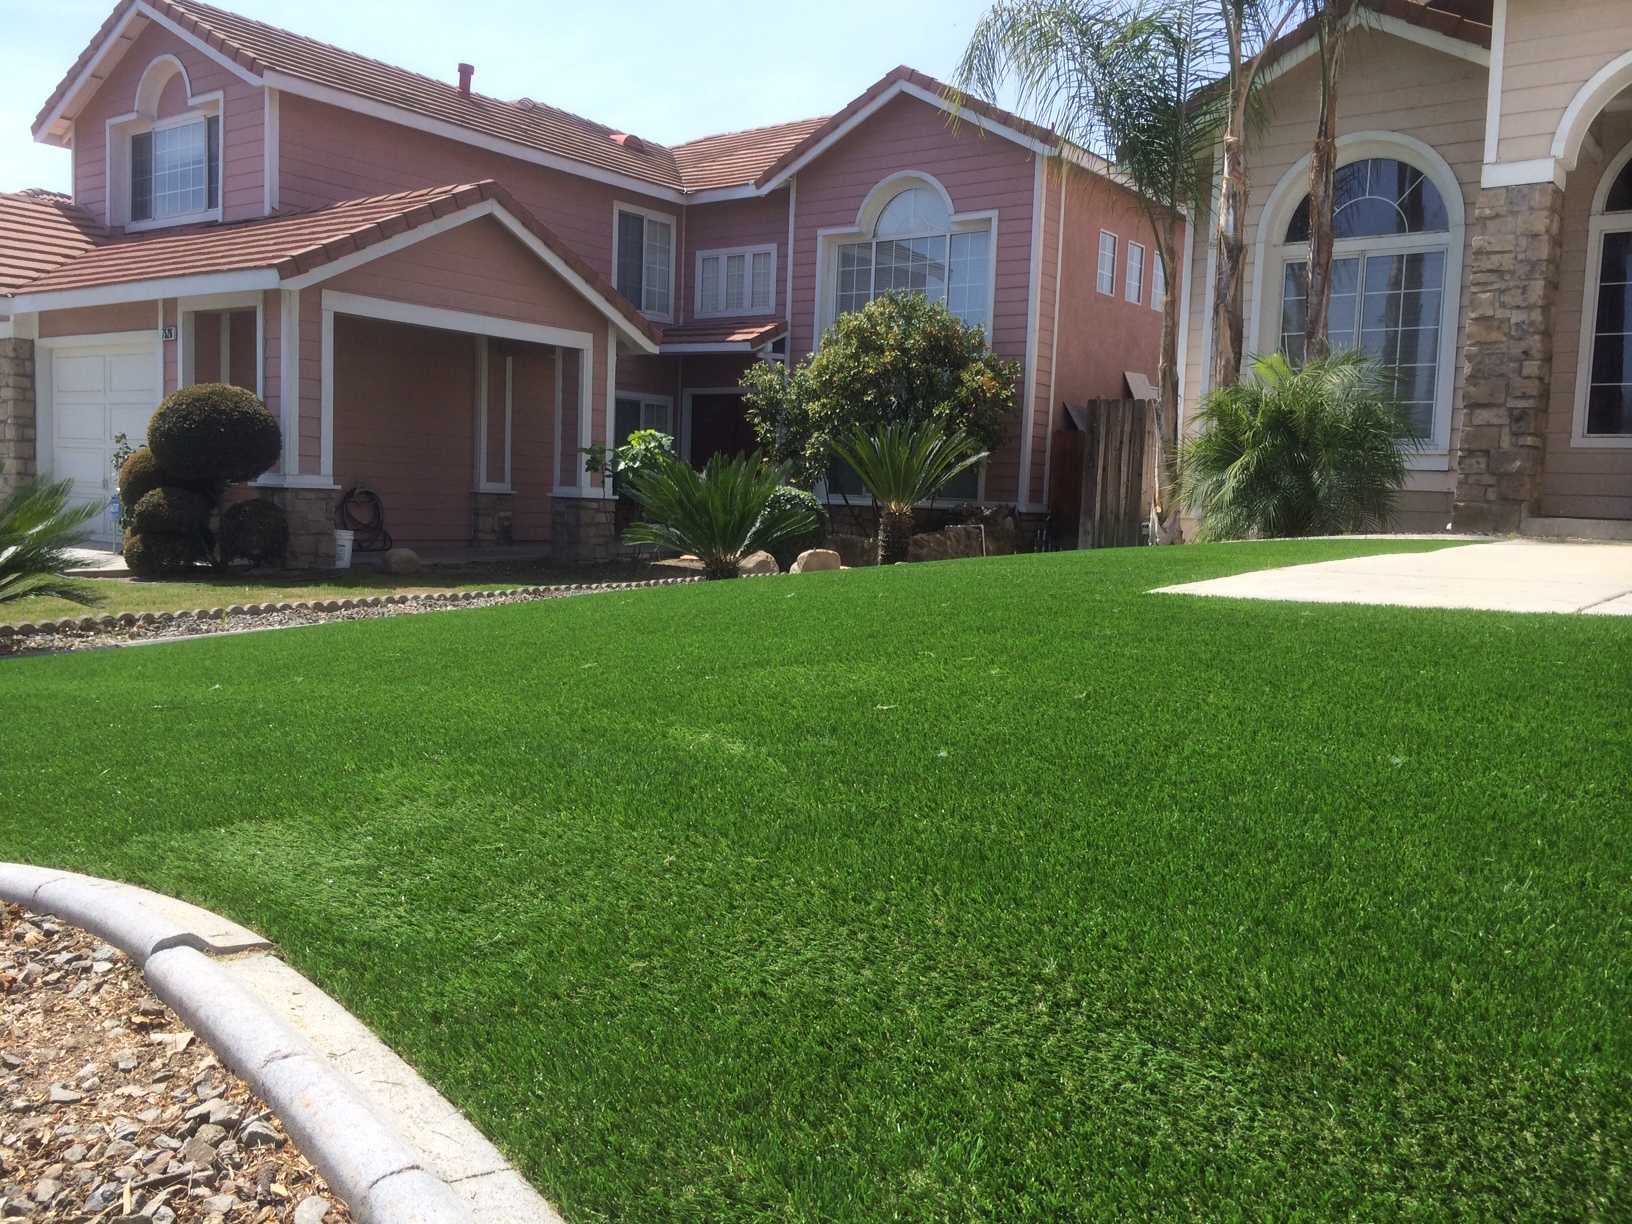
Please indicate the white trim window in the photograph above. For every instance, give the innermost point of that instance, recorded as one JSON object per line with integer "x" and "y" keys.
{"x": 736, "y": 281}
{"x": 634, "y": 410}
{"x": 1106, "y": 283}
{"x": 1603, "y": 392}
{"x": 175, "y": 170}
{"x": 1134, "y": 290}
{"x": 1390, "y": 299}
{"x": 1158, "y": 283}
{"x": 643, "y": 259}
{"x": 917, "y": 245}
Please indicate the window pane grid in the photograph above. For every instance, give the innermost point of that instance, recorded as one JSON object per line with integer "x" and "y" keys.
{"x": 655, "y": 267}
{"x": 1107, "y": 264}
{"x": 1134, "y": 290}
{"x": 949, "y": 267}
{"x": 1609, "y": 389}
{"x": 174, "y": 171}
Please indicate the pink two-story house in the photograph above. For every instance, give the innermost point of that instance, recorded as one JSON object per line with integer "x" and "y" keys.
{"x": 446, "y": 297}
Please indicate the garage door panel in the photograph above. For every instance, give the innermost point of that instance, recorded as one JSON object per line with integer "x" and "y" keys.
{"x": 78, "y": 372}
{"x": 97, "y": 392}
{"x": 86, "y": 466}
{"x": 130, "y": 372}
{"x": 131, "y": 421}
{"x": 81, "y": 422}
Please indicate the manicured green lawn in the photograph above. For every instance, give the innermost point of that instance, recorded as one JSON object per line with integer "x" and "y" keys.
{"x": 984, "y": 890}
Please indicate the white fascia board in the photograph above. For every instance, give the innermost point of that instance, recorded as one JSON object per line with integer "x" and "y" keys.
{"x": 147, "y": 290}
{"x": 1519, "y": 174}
{"x": 392, "y": 311}
{"x": 464, "y": 135}
{"x": 723, "y": 346}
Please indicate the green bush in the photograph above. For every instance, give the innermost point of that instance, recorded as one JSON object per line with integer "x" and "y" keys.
{"x": 787, "y": 550}
{"x": 256, "y": 531}
{"x": 139, "y": 476}
{"x": 214, "y": 432}
{"x": 169, "y": 510}
{"x": 159, "y": 555}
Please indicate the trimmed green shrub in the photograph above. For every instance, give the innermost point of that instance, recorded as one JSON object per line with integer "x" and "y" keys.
{"x": 170, "y": 510}
{"x": 256, "y": 531}
{"x": 158, "y": 555}
{"x": 787, "y": 550}
{"x": 214, "y": 432}
{"x": 139, "y": 476}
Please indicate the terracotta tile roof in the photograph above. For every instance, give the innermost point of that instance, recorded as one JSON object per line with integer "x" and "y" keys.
{"x": 1448, "y": 17}
{"x": 39, "y": 232}
{"x": 733, "y": 158}
{"x": 751, "y": 332}
{"x": 297, "y": 243}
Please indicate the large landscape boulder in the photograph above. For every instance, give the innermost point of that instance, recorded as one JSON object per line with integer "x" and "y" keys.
{"x": 756, "y": 563}
{"x": 402, "y": 561}
{"x": 814, "y": 560}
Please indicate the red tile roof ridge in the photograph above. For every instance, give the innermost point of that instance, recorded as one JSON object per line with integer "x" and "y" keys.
{"x": 756, "y": 130}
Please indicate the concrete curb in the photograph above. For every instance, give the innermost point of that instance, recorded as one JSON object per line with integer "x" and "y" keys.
{"x": 382, "y": 1177}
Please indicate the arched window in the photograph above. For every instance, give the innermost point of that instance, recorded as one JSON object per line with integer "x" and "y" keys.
{"x": 1604, "y": 395}
{"x": 1389, "y": 294}
{"x": 916, "y": 244}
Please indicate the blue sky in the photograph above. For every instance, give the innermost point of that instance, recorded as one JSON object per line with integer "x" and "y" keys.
{"x": 666, "y": 71}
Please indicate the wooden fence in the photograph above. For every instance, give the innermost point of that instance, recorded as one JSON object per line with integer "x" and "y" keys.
{"x": 1101, "y": 488}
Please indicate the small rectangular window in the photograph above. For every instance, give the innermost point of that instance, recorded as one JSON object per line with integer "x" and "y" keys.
{"x": 1158, "y": 284}
{"x": 645, "y": 261}
{"x": 1134, "y": 289}
{"x": 738, "y": 281}
{"x": 1107, "y": 264}
{"x": 175, "y": 170}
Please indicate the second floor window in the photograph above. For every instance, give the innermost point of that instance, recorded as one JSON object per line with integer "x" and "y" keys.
{"x": 1106, "y": 282}
{"x": 738, "y": 281}
{"x": 916, "y": 246}
{"x": 1158, "y": 284}
{"x": 645, "y": 261}
{"x": 175, "y": 170}
{"x": 1135, "y": 288}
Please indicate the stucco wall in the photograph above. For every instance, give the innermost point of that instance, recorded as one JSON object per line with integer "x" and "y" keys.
{"x": 1551, "y": 50}
{"x": 734, "y": 223}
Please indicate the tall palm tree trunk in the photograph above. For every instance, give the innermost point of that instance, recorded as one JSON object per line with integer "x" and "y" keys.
{"x": 894, "y": 535}
{"x": 1329, "y": 31}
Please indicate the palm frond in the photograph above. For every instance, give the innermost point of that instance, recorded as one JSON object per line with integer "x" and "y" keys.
{"x": 907, "y": 462}
{"x": 37, "y": 529}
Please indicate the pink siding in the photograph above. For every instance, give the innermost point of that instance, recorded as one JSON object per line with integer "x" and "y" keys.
{"x": 980, "y": 172}
{"x": 495, "y": 413}
{"x": 243, "y": 123}
{"x": 272, "y": 358}
{"x": 171, "y": 350}
{"x": 734, "y": 223}
{"x": 99, "y": 320}
{"x": 569, "y": 463}
{"x": 649, "y": 375}
{"x": 207, "y": 347}
{"x": 707, "y": 370}
{"x": 241, "y": 350}
{"x": 532, "y": 441}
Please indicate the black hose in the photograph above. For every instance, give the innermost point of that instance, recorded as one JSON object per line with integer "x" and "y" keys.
{"x": 362, "y": 512}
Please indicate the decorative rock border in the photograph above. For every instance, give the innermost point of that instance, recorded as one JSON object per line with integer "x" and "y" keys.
{"x": 384, "y": 1178}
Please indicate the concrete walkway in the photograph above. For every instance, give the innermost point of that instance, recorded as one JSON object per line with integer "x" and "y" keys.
{"x": 1504, "y": 576}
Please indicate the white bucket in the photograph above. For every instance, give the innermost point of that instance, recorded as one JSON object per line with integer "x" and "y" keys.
{"x": 342, "y": 548}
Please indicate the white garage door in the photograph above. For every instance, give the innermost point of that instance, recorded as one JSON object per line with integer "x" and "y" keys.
{"x": 97, "y": 393}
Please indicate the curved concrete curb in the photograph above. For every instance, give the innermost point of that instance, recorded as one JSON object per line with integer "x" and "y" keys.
{"x": 235, "y": 1007}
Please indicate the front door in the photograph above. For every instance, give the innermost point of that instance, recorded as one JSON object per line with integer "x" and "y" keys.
{"x": 718, "y": 427}
{"x": 97, "y": 393}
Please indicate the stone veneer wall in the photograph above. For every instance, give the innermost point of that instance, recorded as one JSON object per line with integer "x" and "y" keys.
{"x": 583, "y": 529}
{"x": 17, "y": 442}
{"x": 491, "y": 518}
{"x": 1517, "y": 239}
{"x": 311, "y": 526}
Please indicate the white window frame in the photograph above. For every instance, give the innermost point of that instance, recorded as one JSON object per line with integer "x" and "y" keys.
{"x": 1158, "y": 272}
{"x": 646, "y": 399}
{"x": 1134, "y": 287}
{"x": 648, "y": 214}
{"x": 1599, "y": 224}
{"x": 120, "y": 129}
{"x": 1105, "y": 278}
{"x": 722, "y": 254}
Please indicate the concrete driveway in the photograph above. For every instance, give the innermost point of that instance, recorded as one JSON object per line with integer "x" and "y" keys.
{"x": 1503, "y": 576}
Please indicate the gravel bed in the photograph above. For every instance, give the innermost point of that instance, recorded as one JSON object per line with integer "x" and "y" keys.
{"x": 111, "y": 1111}
{"x": 94, "y": 632}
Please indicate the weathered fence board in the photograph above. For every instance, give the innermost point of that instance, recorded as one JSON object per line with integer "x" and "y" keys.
{"x": 1100, "y": 485}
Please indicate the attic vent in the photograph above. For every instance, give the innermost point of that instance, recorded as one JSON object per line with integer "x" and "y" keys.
{"x": 526, "y": 104}
{"x": 633, "y": 143}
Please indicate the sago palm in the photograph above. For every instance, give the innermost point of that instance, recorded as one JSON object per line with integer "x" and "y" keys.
{"x": 37, "y": 529}
{"x": 720, "y": 515}
{"x": 901, "y": 465}
{"x": 1316, "y": 450}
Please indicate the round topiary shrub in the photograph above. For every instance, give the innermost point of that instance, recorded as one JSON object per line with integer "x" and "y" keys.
{"x": 169, "y": 510}
{"x": 139, "y": 475}
{"x": 787, "y": 551}
{"x": 256, "y": 530}
{"x": 158, "y": 554}
{"x": 214, "y": 432}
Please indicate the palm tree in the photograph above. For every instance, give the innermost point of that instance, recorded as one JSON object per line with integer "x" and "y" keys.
{"x": 37, "y": 528}
{"x": 901, "y": 465}
{"x": 719, "y": 515}
{"x": 1316, "y": 450}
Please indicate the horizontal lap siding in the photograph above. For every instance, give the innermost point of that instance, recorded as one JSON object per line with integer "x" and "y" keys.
{"x": 980, "y": 171}
{"x": 649, "y": 375}
{"x": 243, "y": 124}
{"x": 1549, "y": 55}
{"x": 532, "y": 441}
{"x": 241, "y": 345}
{"x": 98, "y": 320}
{"x": 736, "y": 223}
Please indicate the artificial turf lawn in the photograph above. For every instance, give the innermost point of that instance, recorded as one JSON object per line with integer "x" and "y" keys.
{"x": 993, "y": 889}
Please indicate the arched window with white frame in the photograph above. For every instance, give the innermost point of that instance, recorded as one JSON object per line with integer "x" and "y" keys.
{"x": 1395, "y": 280}
{"x": 1603, "y": 392}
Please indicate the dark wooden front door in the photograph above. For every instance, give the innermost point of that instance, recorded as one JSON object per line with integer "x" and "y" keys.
{"x": 719, "y": 428}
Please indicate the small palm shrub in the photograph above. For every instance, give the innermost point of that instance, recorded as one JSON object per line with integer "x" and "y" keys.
{"x": 721, "y": 514}
{"x": 37, "y": 528}
{"x": 1316, "y": 450}
{"x": 901, "y": 465}
{"x": 256, "y": 531}
{"x": 786, "y": 551}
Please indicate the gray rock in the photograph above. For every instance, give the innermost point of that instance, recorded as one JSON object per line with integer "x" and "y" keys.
{"x": 46, "y": 1189}
{"x": 126, "y": 1062}
{"x": 103, "y": 1198}
{"x": 61, "y": 1094}
{"x": 259, "y": 1134}
{"x": 758, "y": 563}
{"x": 197, "y": 1153}
{"x": 312, "y": 1209}
{"x": 211, "y": 1134}
{"x": 813, "y": 560}
{"x": 402, "y": 561}
{"x": 218, "y": 1204}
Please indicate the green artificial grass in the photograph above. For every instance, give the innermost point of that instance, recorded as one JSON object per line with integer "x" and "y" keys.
{"x": 982, "y": 890}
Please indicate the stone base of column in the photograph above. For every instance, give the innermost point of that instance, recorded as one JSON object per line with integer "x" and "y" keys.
{"x": 311, "y": 526}
{"x": 491, "y": 519}
{"x": 18, "y": 458}
{"x": 583, "y": 530}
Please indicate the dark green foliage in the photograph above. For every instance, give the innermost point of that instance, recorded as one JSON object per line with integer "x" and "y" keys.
{"x": 138, "y": 476}
{"x": 37, "y": 528}
{"x": 720, "y": 515}
{"x": 214, "y": 432}
{"x": 1317, "y": 450}
{"x": 256, "y": 531}
{"x": 170, "y": 510}
{"x": 901, "y": 465}
{"x": 160, "y": 554}
{"x": 899, "y": 358}
{"x": 787, "y": 550}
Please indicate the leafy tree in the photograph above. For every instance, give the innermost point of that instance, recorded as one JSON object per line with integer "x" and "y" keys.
{"x": 902, "y": 464}
{"x": 1317, "y": 450}
{"x": 37, "y": 530}
{"x": 719, "y": 515}
{"x": 900, "y": 358}
{"x": 646, "y": 448}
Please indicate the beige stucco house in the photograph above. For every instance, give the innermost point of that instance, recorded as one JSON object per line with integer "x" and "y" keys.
{"x": 1485, "y": 248}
